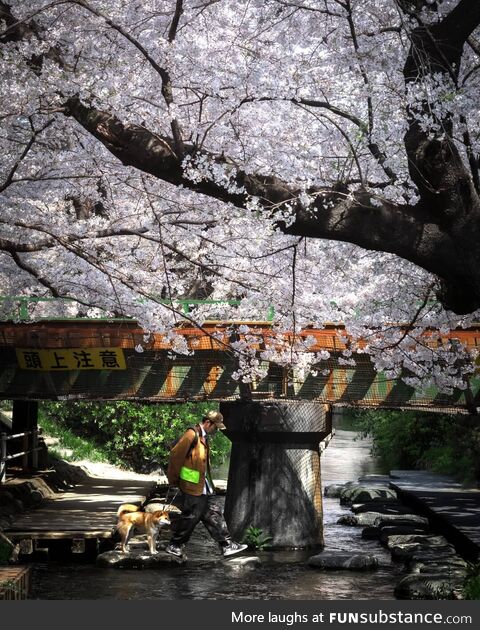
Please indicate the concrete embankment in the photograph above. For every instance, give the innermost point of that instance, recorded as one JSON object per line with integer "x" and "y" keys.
{"x": 429, "y": 523}
{"x": 451, "y": 508}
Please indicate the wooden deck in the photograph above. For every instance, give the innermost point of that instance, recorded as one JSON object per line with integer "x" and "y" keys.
{"x": 87, "y": 511}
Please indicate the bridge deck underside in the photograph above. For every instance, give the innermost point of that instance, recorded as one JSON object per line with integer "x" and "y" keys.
{"x": 156, "y": 374}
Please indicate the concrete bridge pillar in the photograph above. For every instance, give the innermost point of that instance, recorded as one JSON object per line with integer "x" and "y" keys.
{"x": 274, "y": 477}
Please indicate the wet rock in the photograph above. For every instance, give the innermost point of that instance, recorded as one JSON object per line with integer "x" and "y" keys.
{"x": 428, "y": 554}
{"x": 347, "y": 519}
{"x": 454, "y": 565}
{"x": 403, "y": 547}
{"x": 137, "y": 559}
{"x": 402, "y": 530}
{"x": 364, "y": 494}
{"x": 334, "y": 490}
{"x": 421, "y": 539}
{"x": 381, "y": 520}
{"x": 401, "y": 520}
{"x": 367, "y": 518}
{"x": 243, "y": 561}
{"x": 417, "y": 550}
{"x": 381, "y": 507}
{"x": 429, "y": 586}
{"x": 332, "y": 560}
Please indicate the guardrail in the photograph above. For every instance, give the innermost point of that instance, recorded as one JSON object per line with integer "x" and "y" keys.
{"x": 29, "y": 445}
{"x": 20, "y": 308}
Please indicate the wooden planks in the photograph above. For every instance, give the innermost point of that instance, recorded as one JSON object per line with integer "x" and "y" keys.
{"x": 14, "y": 583}
{"x": 87, "y": 511}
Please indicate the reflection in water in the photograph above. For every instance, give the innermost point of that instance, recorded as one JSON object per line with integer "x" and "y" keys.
{"x": 281, "y": 575}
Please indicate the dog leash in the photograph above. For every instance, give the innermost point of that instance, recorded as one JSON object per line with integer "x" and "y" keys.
{"x": 173, "y": 499}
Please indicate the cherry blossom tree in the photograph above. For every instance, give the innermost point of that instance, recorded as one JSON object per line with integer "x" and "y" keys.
{"x": 317, "y": 156}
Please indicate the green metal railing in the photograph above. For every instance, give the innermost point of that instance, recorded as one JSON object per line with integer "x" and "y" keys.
{"x": 18, "y": 308}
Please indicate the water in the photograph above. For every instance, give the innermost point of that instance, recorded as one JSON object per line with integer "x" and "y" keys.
{"x": 281, "y": 575}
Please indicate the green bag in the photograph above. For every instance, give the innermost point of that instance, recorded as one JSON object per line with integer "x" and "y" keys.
{"x": 188, "y": 474}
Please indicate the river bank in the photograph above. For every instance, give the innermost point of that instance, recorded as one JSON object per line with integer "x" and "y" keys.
{"x": 269, "y": 575}
{"x": 278, "y": 575}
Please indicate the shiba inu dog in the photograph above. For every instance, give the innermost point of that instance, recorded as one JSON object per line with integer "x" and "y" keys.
{"x": 130, "y": 518}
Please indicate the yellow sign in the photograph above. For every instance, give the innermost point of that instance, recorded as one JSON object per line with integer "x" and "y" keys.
{"x": 71, "y": 359}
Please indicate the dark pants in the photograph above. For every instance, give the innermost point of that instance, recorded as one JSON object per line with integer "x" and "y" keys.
{"x": 194, "y": 510}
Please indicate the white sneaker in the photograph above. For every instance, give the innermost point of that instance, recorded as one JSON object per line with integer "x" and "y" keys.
{"x": 233, "y": 548}
{"x": 173, "y": 550}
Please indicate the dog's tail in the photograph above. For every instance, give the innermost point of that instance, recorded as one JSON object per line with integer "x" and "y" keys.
{"x": 127, "y": 507}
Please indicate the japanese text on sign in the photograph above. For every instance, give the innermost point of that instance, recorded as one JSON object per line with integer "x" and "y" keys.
{"x": 71, "y": 359}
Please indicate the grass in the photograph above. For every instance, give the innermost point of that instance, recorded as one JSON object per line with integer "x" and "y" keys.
{"x": 80, "y": 447}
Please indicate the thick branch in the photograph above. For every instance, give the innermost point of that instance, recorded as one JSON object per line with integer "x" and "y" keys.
{"x": 355, "y": 218}
{"x": 417, "y": 234}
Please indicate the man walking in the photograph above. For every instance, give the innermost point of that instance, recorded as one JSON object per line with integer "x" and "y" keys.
{"x": 189, "y": 468}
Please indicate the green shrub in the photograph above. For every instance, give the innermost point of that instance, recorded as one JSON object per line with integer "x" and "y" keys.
{"x": 82, "y": 448}
{"x": 130, "y": 434}
{"x": 5, "y": 552}
{"x": 255, "y": 538}
{"x": 442, "y": 443}
{"x": 471, "y": 589}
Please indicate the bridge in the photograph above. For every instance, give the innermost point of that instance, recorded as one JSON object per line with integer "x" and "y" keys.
{"x": 117, "y": 360}
{"x": 275, "y": 423}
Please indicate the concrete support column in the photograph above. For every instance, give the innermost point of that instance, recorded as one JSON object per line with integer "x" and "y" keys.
{"x": 274, "y": 477}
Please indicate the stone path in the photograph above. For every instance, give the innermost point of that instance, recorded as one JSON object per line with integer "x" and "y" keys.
{"x": 453, "y": 508}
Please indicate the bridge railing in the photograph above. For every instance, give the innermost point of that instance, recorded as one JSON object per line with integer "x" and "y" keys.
{"x": 21, "y": 308}
{"x": 29, "y": 446}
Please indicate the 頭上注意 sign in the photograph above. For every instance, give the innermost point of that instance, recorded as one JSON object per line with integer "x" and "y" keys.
{"x": 71, "y": 359}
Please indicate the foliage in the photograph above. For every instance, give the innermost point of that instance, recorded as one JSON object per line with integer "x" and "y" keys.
{"x": 251, "y": 130}
{"x": 256, "y": 539}
{"x": 471, "y": 589}
{"x": 81, "y": 447}
{"x": 438, "y": 442}
{"x": 5, "y": 553}
{"x": 131, "y": 434}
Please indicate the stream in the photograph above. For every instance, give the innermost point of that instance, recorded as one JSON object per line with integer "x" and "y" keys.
{"x": 281, "y": 574}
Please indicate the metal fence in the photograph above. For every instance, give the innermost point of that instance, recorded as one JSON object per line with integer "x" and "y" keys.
{"x": 29, "y": 445}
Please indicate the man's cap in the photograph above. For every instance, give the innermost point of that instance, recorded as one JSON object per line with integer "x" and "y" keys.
{"x": 215, "y": 417}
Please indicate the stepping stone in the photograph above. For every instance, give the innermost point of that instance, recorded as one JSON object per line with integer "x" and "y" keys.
{"x": 136, "y": 560}
{"x": 429, "y": 586}
{"x": 363, "y": 494}
{"x": 403, "y": 519}
{"x": 333, "y": 560}
{"x": 381, "y": 507}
